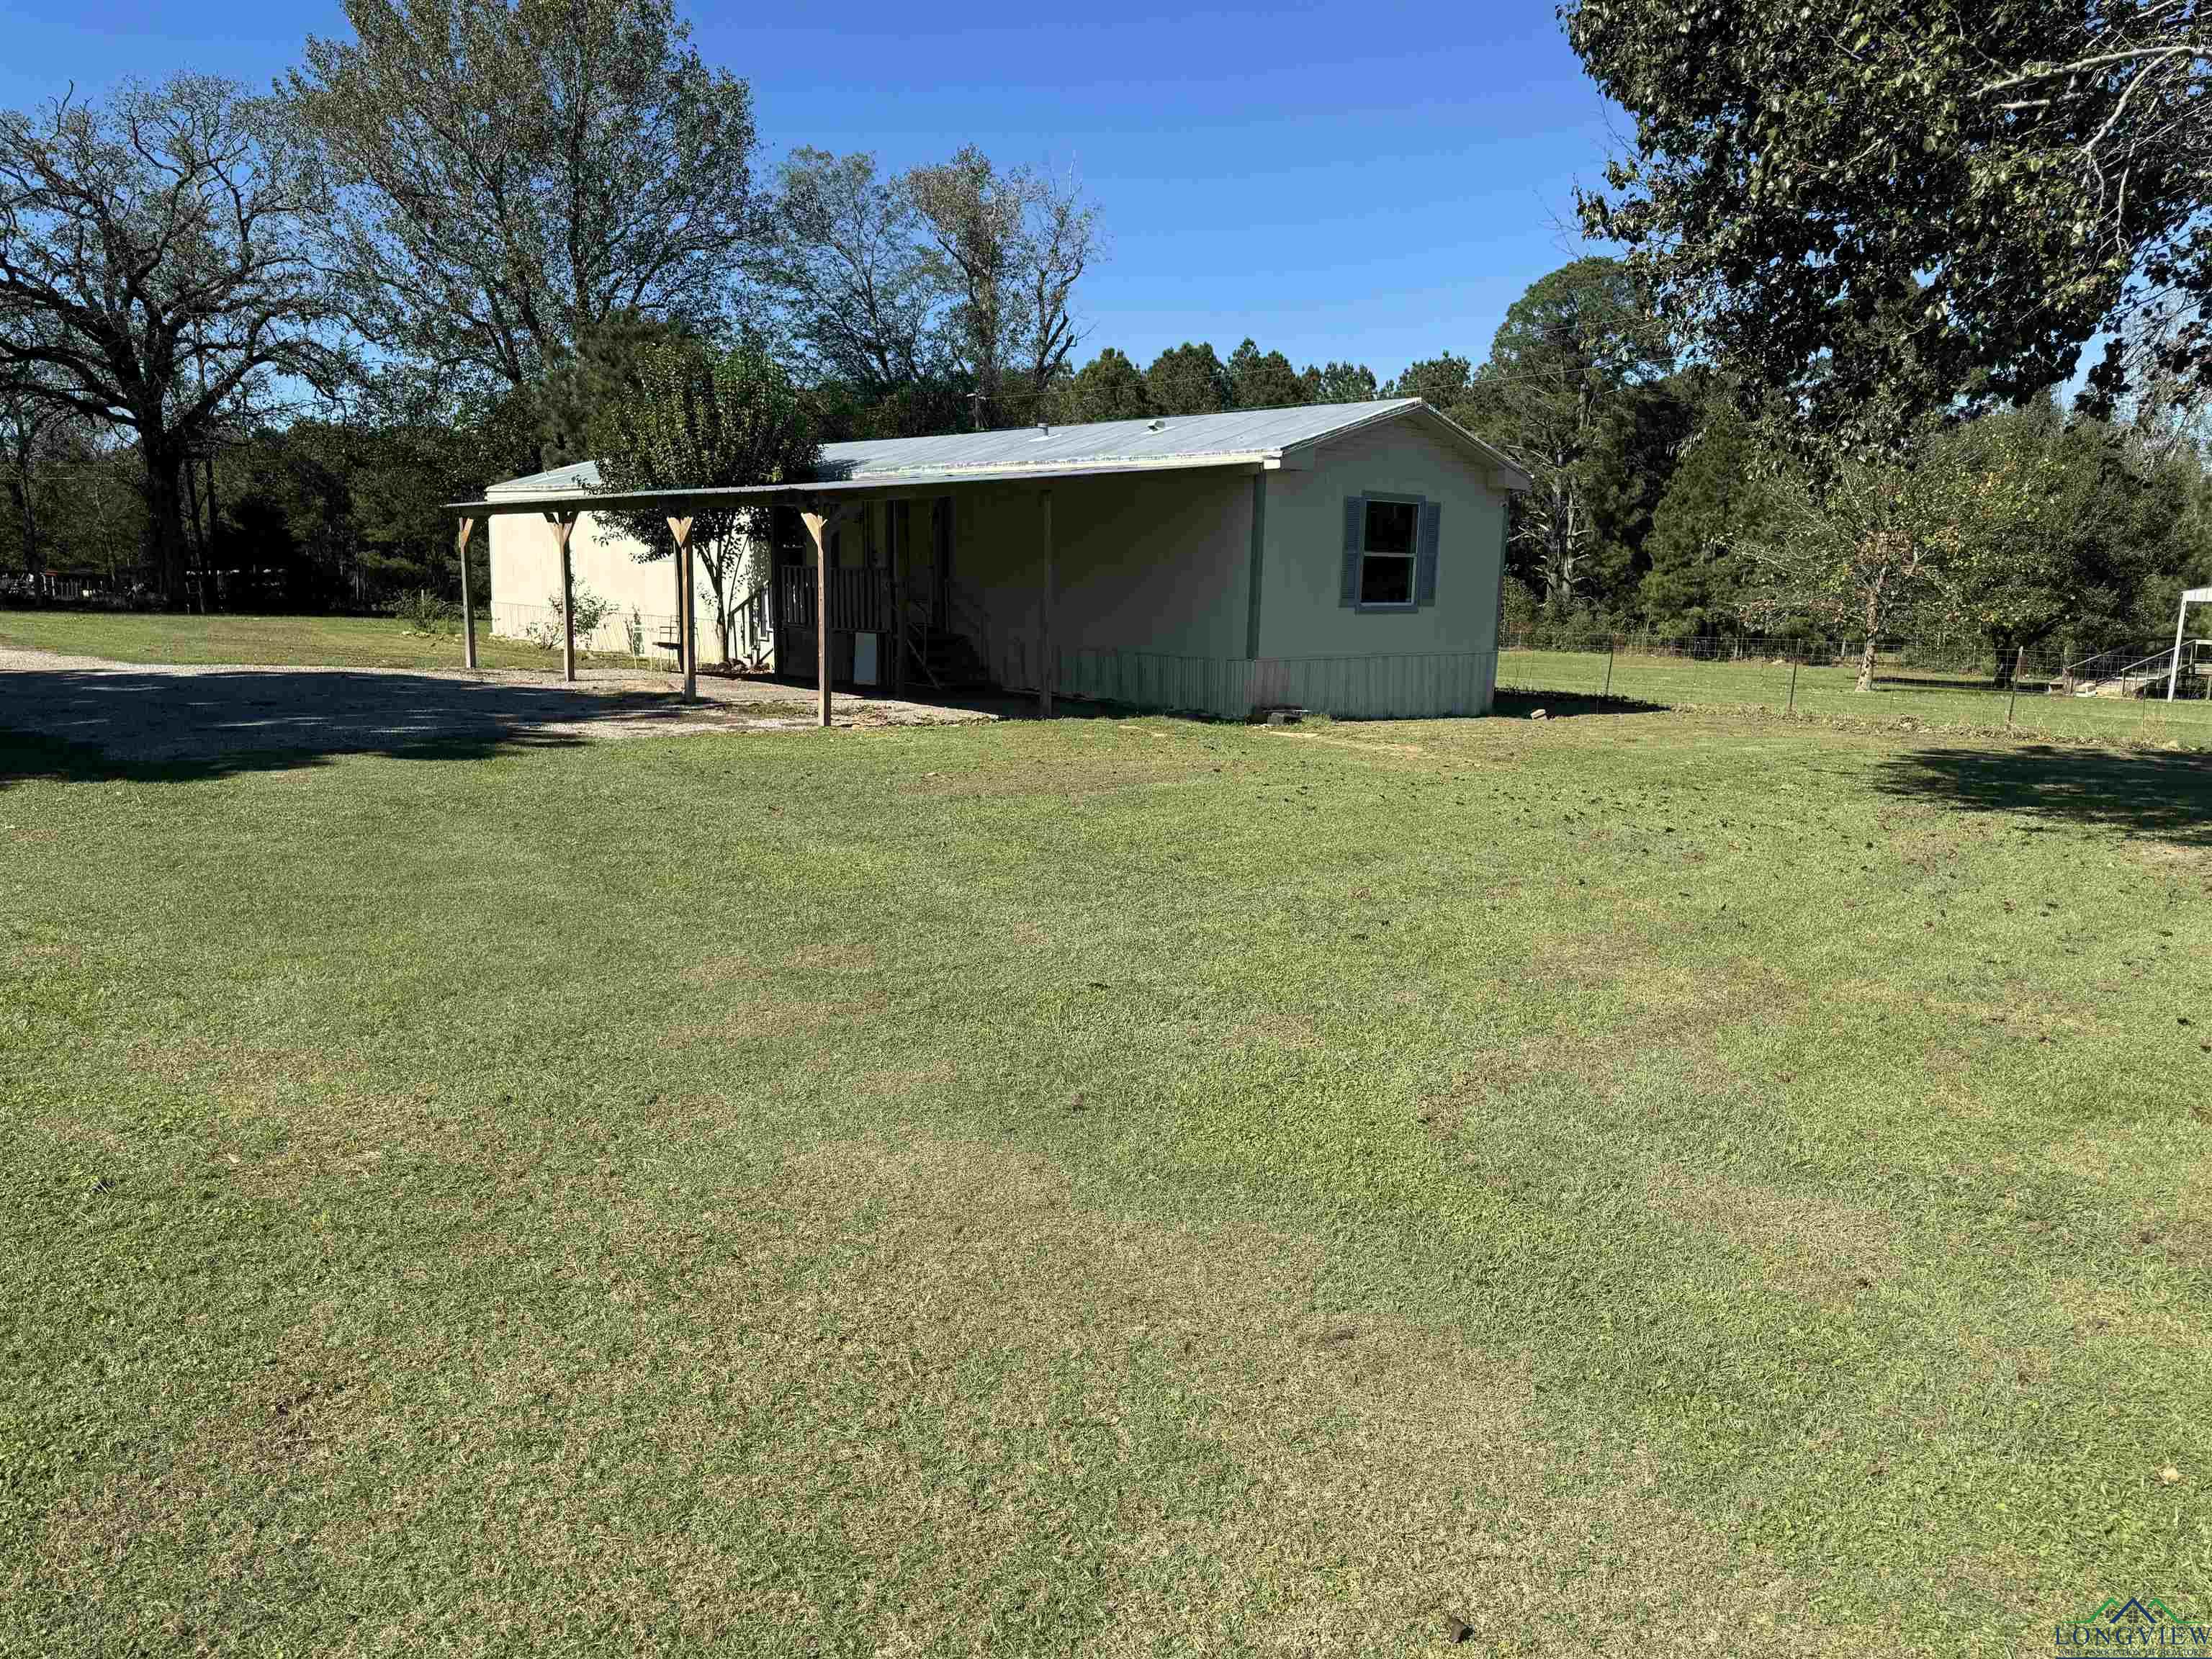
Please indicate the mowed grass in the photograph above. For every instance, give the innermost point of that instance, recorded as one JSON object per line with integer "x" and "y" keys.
{"x": 1655, "y": 1182}
{"x": 1827, "y": 692}
{"x": 312, "y": 642}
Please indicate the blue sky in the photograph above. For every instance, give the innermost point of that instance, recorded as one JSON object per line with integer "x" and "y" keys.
{"x": 1369, "y": 182}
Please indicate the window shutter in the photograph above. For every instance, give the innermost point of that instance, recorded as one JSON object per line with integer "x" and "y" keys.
{"x": 1425, "y": 567}
{"x": 1355, "y": 540}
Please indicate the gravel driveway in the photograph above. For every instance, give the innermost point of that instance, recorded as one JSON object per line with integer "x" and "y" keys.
{"x": 140, "y": 712}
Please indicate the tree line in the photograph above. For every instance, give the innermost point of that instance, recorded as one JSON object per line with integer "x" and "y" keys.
{"x": 265, "y": 333}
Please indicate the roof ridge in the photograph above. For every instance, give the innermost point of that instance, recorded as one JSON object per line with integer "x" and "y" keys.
{"x": 1221, "y": 437}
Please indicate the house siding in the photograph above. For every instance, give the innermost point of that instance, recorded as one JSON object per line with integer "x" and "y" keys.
{"x": 1155, "y": 566}
{"x": 525, "y": 583}
{"x": 1311, "y": 639}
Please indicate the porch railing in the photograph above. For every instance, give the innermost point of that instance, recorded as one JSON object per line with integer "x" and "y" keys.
{"x": 856, "y": 601}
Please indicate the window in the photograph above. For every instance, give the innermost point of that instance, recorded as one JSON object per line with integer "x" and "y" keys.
{"x": 1390, "y": 552}
{"x": 1386, "y": 562}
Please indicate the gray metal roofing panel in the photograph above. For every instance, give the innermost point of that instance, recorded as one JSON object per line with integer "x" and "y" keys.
{"x": 529, "y": 495}
{"x": 1100, "y": 446}
{"x": 580, "y": 475}
{"x": 1241, "y": 432}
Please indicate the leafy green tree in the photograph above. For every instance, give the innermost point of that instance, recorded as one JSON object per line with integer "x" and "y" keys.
{"x": 1011, "y": 245}
{"x": 1262, "y": 381}
{"x": 511, "y": 174}
{"x": 603, "y": 368}
{"x": 699, "y": 417}
{"x": 96, "y": 527}
{"x": 288, "y": 499}
{"x": 154, "y": 275}
{"x": 1442, "y": 382}
{"x": 1339, "y": 383}
{"x": 1715, "y": 499}
{"x": 1572, "y": 369}
{"x": 846, "y": 261}
{"x": 1856, "y": 547}
{"x": 421, "y": 443}
{"x": 346, "y": 511}
{"x": 2051, "y": 525}
{"x": 1188, "y": 380}
{"x": 38, "y": 436}
{"x": 1876, "y": 207}
{"x": 943, "y": 401}
{"x": 1109, "y": 387}
{"x": 1644, "y": 445}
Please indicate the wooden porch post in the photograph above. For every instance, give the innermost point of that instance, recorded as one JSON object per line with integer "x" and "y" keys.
{"x": 563, "y": 523}
{"x": 468, "y": 609}
{"x": 2173, "y": 666}
{"x": 675, "y": 566}
{"x": 1044, "y": 608}
{"x": 898, "y": 527}
{"x": 687, "y": 643}
{"x": 815, "y": 523}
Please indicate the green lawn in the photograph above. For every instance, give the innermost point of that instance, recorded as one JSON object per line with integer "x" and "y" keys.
{"x": 1668, "y": 1182}
{"x": 317, "y": 641}
{"x": 1822, "y": 693}
{"x": 1900, "y": 694}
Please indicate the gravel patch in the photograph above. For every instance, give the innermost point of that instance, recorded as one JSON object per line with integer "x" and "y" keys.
{"x": 163, "y": 711}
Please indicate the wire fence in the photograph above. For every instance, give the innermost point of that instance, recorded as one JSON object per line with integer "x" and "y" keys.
{"x": 1933, "y": 686}
{"x": 643, "y": 634}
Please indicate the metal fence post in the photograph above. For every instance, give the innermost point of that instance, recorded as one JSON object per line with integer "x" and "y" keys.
{"x": 1608, "y": 667}
{"x": 2019, "y": 658}
{"x": 1792, "y": 708}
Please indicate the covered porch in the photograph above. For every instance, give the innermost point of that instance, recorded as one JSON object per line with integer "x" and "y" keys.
{"x": 869, "y": 599}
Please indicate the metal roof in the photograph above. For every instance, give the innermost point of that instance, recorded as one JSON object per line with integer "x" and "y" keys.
{"x": 1256, "y": 438}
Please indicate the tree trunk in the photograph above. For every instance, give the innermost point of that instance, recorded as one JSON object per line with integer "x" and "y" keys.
{"x": 722, "y": 582}
{"x": 1866, "y": 650}
{"x": 2007, "y": 651}
{"x": 165, "y": 513}
{"x": 26, "y": 507}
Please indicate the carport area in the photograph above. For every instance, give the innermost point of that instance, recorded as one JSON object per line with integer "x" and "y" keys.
{"x": 135, "y": 712}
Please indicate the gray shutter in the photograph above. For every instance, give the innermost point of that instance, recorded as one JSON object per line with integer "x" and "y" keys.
{"x": 1425, "y": 566}
{"x": 1355, "y": 541}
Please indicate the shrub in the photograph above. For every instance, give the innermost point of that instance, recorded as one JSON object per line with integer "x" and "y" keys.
{"x": 591, "y": 611}
{"x": 424, "y": 612}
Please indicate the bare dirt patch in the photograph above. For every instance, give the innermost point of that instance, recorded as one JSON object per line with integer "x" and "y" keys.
{"x": 1812, "y": 1247}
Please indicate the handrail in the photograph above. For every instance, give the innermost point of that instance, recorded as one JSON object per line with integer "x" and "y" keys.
{"x": 2105, "y": 663}
{"x": 964, "y": 619}
{"x": 2146, "y": 669}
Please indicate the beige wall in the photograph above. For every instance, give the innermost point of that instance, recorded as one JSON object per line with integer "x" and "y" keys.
{"x": 525, "y": 577}
{"x": 1301, "y": 582}
{"x": 1158, "y": 564}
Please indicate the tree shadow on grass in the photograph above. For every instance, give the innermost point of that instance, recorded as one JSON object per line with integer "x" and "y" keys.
{"x": 2165, "y": 797}
{"x": 80, "y": 725}
{"x": 1564, "y": 705}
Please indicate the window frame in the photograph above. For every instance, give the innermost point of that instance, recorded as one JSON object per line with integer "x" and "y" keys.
{"x": 1412, "y": 556}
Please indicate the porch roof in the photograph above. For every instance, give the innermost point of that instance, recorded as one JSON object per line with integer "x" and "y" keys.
{"x": 577, "y": 486}
{"x": 1250, "y": 440}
